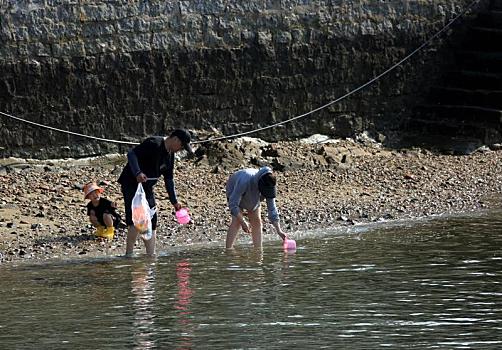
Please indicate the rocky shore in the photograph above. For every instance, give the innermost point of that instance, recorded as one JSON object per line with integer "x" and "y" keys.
{"x": 322, "y": 183}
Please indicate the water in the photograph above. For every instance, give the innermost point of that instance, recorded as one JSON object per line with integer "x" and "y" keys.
{"x": 422, "y": 285}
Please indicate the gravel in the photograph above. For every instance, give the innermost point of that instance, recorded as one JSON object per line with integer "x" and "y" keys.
{"x": 320, "y": 185}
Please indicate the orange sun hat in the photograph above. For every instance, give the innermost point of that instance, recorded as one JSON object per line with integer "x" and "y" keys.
{"x": 91, "y": 187}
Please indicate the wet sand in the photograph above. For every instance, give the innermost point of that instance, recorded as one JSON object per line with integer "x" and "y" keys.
{"x": 43, "y": 216}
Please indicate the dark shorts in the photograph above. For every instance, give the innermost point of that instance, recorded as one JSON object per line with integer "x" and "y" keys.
{"x": 116, "y": 219}
{"x": 129, "y": 193}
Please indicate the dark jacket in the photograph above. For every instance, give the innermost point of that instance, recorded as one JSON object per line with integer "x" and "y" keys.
{"x": 152, "y": 159}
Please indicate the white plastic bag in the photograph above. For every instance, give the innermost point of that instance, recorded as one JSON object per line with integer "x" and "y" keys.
{"x": 141, "y": 213}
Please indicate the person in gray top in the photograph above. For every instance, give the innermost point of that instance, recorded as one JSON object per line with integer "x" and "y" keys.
{"x": 245, "y": 189}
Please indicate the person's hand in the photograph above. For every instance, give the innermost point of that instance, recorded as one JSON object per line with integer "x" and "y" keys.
{"x": 282, "y": 235}
{"x": 177, "y": 206}
{"x": 279, "y": 231}
{"x": 245, "y": 226}
{"x": 141, "y": 177}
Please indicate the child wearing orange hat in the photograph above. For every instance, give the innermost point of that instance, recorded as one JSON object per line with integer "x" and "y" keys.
{"x": 102, "y": 212}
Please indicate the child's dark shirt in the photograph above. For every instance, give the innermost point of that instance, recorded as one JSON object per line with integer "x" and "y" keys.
{"x": 104, "y": 207}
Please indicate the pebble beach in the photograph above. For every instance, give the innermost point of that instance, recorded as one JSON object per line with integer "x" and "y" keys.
{"x": 320, "y": 185}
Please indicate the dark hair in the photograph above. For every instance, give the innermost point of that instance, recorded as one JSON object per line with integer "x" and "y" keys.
{"x": 269, "y": 179}
{"x": 266, "y": 185}
{"x": 185, "y": 138}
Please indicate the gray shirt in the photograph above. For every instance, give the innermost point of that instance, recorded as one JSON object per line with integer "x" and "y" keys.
{"x": 243, "y": 193}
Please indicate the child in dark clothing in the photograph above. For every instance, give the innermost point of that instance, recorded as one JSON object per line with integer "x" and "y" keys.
{"x": 102, "y": 212}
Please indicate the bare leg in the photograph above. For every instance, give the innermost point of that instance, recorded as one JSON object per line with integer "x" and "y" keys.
{"x": 108, "y": 219}
{"x": 233, "y": 229}
{"x": 150, "y": 244}
{"x": 93, "y": 219}
{"x": 256, "y": 227}
{"x": 132, "y": 235}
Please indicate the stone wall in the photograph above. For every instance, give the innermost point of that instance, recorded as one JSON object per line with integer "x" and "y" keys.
{"x": 124, "y": 69}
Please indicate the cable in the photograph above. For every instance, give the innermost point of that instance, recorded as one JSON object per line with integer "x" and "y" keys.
{"x": 399, "y": 63}
{"x": 66, "y": 131}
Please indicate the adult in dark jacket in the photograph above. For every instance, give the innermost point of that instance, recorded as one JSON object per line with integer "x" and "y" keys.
{"x": 146, "y": 163}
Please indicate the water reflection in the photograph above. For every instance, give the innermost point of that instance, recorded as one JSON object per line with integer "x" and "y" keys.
{"x": 143, "y": 290}
{"x": 147, "y": 297}
{"x": 182, "y": 304}
{"x": 245, "y": 255}
{"x": 430, "y": 285}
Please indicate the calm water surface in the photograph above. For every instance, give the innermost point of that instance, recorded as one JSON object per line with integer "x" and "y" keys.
{"x": 420, "y": 285}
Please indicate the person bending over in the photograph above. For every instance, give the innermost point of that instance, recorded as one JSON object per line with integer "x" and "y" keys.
{"x": 146, "y": 163}
{"x": 245, "y": 190}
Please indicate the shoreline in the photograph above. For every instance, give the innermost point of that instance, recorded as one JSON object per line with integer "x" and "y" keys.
{"x": 320, "y": 185}
{"x": 358, "y": 228}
